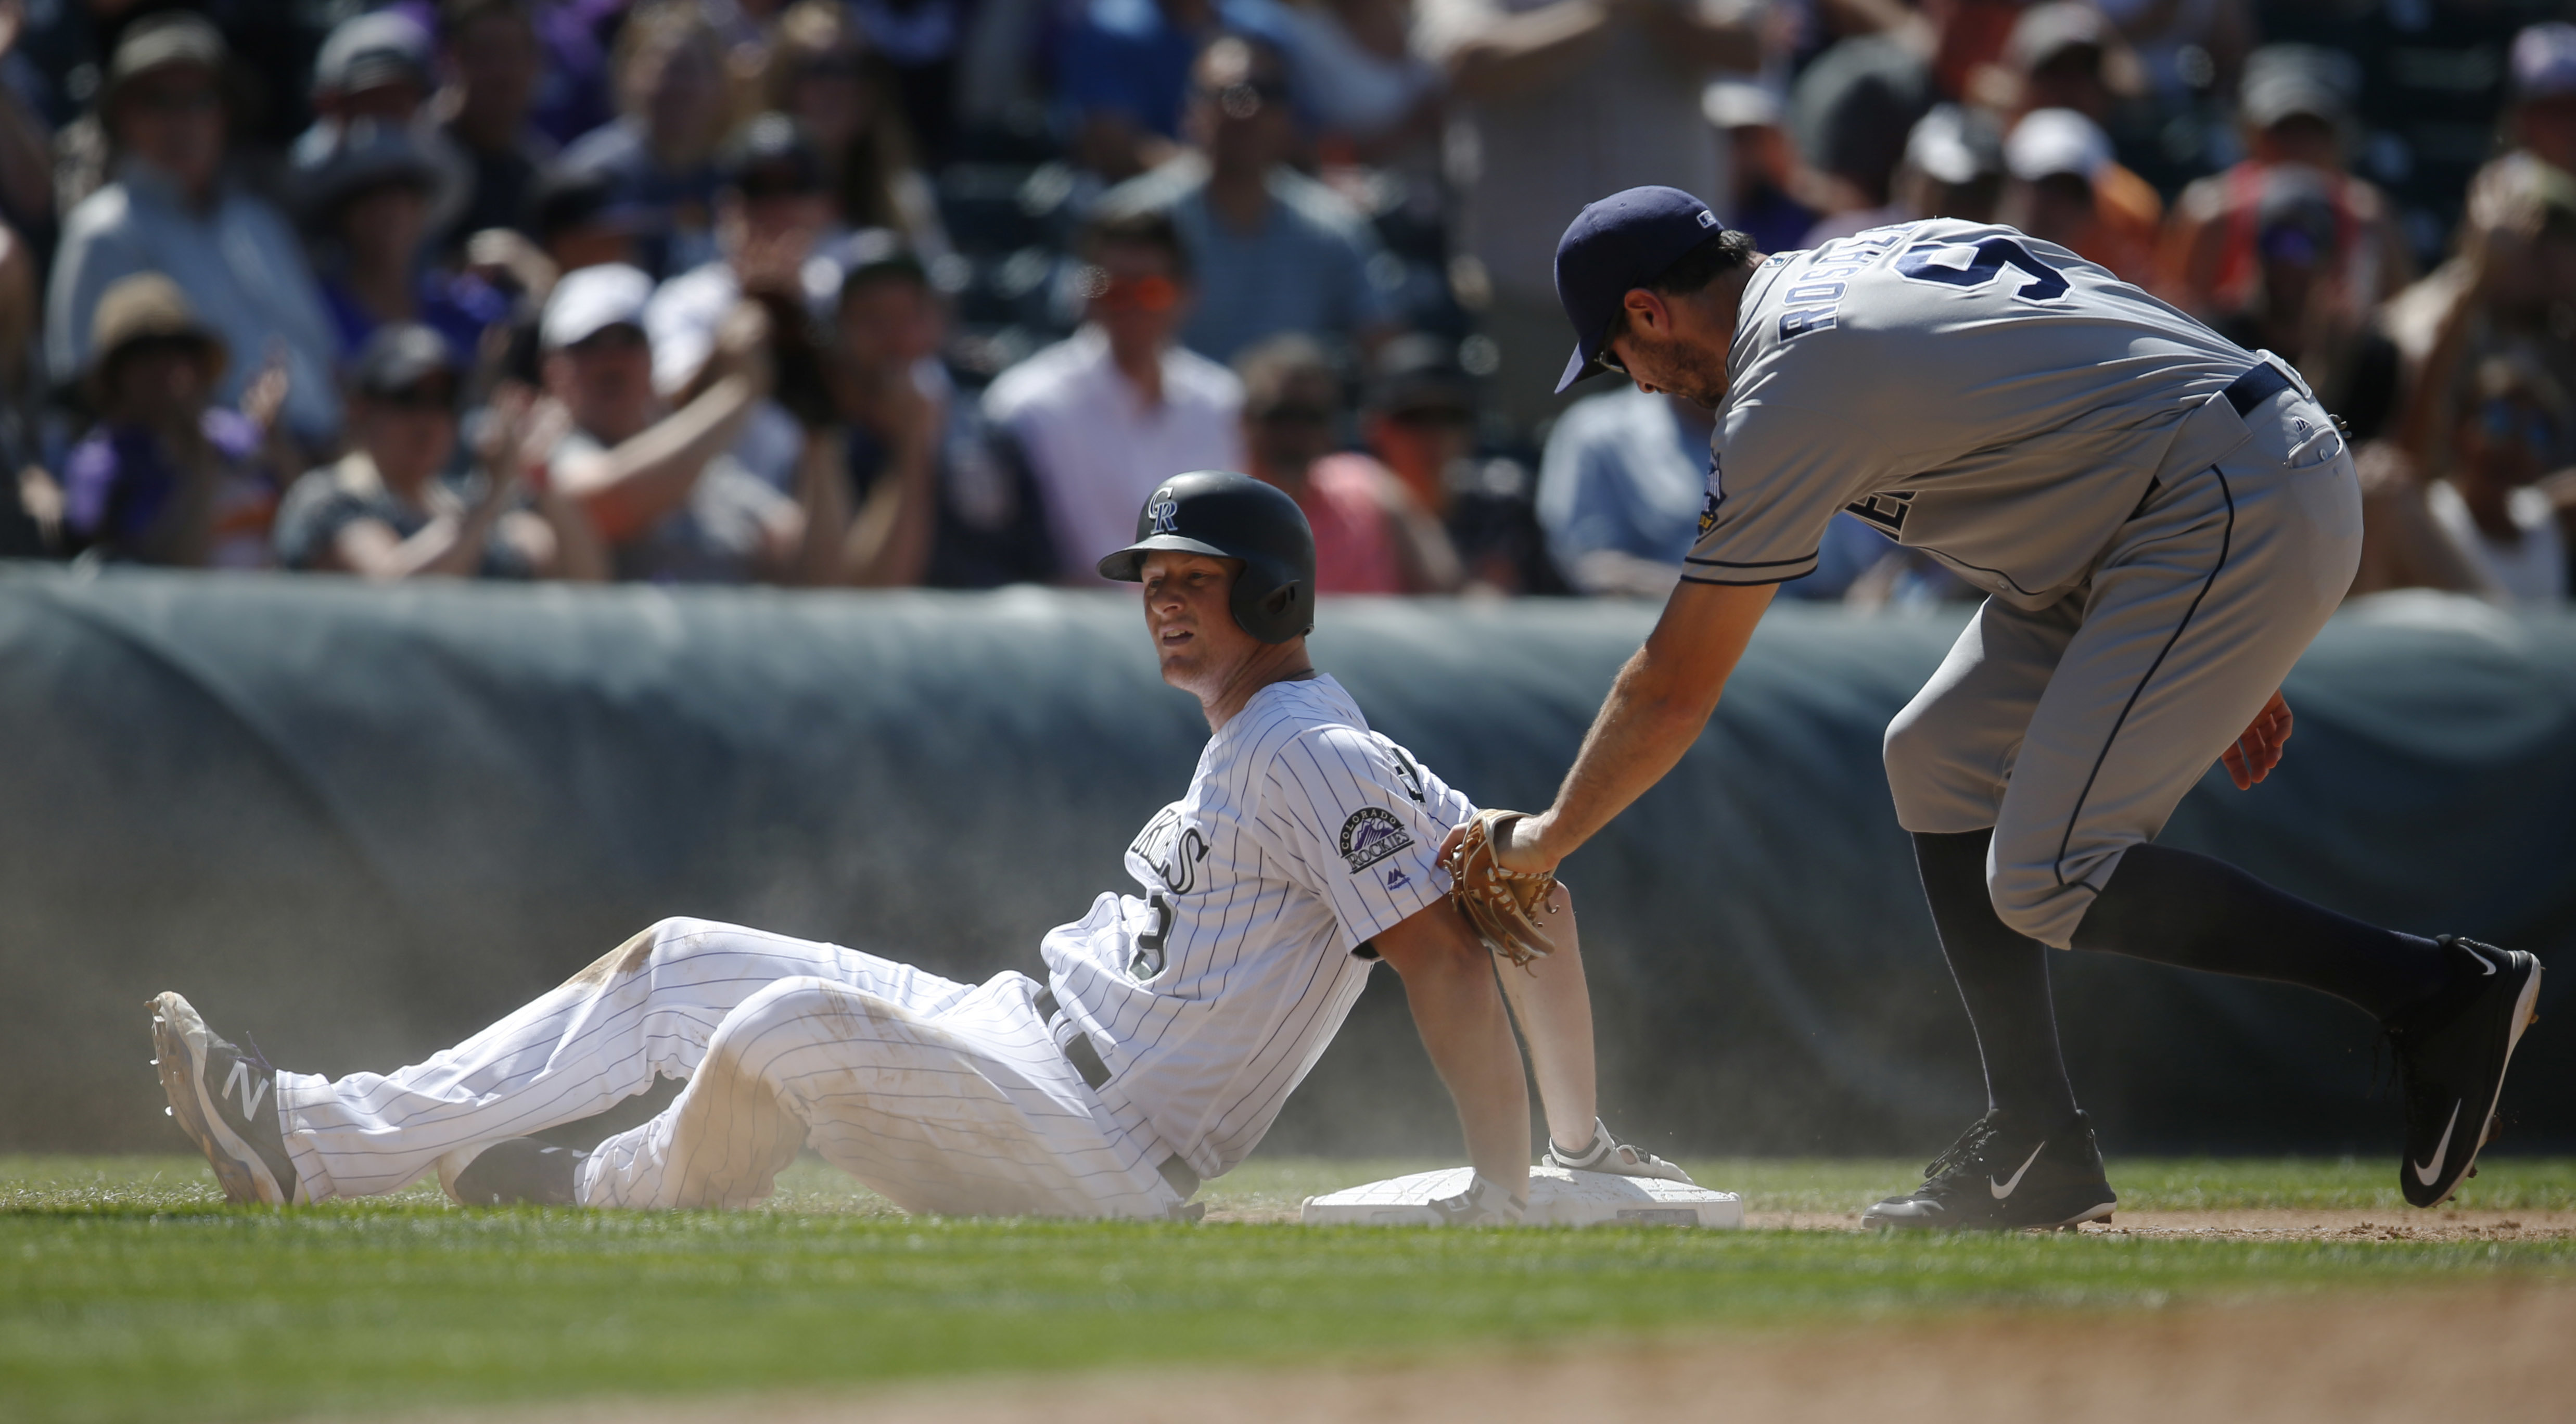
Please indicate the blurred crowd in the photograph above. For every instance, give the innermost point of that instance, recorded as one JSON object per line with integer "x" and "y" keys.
{"x": 934, "y": 292}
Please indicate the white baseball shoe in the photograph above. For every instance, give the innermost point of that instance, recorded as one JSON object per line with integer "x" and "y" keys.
{"x": 1609, "y": 1154}
{"x": 226, "y": 1101}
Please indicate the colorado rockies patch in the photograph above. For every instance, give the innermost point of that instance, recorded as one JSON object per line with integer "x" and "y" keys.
{"x": 1371, "y": 835}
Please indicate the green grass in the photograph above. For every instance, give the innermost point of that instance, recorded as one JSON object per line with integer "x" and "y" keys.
{"x": 127, "y": 1293}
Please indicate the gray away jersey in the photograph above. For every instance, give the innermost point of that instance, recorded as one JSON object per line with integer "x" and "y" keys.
{"x": 1304, "y": 835}
{"x": 1991, "y": 399}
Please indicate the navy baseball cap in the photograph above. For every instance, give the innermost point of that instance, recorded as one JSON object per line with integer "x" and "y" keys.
{"x": 1613, "y": 246}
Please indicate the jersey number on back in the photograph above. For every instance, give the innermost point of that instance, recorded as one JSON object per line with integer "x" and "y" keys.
{"x": 1931, "y": 262}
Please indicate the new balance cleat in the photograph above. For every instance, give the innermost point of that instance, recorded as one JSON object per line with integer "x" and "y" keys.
{"x": 518, "y": 1171}
{"x": 2451, "y": 1054}
{"x": 226, "y": 1101}
{"x": 1609, "y": 1154}
{"x": 2001, "y": 1176}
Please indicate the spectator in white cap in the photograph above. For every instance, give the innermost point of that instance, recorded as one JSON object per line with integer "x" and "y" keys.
{"x": 2296, "y": 108}
{"x": 2542, "y": 120}
{"x": 660, "y": 485}
{"x": 1954, "y": 166}
{"x": 2058, "y": 163}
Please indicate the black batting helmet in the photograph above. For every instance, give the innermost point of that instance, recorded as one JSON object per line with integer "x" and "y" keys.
{"x": 1233, "y": 517}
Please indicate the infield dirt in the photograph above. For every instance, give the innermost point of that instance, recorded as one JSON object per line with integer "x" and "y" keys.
{"x": 2496, "y": 1351}
{"x": 2399, "y": 1224}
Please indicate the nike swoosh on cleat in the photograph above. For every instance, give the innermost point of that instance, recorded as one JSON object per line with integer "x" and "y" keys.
{"x": 2425, "y": 1172}
{"x": 2005, "y": 1188}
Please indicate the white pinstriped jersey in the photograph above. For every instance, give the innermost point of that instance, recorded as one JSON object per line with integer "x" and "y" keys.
{"x": 1303, "y": 835}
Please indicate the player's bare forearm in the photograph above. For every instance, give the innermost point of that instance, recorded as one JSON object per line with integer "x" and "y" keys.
{"x": 1449, "y": 982}
{"x": 1662, "y": 698}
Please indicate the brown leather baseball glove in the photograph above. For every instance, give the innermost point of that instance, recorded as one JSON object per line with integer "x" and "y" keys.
{"x": 1503, "y": 905}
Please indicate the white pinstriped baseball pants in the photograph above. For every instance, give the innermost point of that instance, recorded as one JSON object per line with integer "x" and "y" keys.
{"x": 945, "y": 1097}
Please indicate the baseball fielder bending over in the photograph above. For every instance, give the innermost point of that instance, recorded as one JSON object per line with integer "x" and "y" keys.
{"x": 2161, "y": 519}
{"x": 1167, "y": 1033}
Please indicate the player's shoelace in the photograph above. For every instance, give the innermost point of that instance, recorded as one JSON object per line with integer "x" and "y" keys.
{"x": 1970, "y": 1148}
{"x": 250, "y": 1054}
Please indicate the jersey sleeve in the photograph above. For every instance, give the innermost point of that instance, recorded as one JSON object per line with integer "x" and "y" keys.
{"x": 1361, "y": 822}
{"x": 1777, "y": 476}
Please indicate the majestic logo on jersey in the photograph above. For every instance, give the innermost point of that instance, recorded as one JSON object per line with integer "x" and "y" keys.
{"x": 1887, "y": 510}
{"x": 1165, "y": 511}
{"x": 1716, "y": 493}
{"x": 1371, "y": 835}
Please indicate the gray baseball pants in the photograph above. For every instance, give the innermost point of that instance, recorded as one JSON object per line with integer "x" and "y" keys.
{"x": 2074, "y": 730}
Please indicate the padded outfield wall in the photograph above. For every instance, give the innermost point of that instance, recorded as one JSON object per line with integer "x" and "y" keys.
{"x": 358, "y": 823}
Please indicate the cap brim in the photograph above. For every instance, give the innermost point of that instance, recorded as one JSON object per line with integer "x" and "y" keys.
{"x": 1128, "y": 564}
{"x": 1578, "y": 367}
{"x": 575, "y": 335}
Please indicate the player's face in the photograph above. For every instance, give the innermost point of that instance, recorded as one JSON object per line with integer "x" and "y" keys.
{"x": 1665, "y": 360}
{"x": 1679, "y": 343}
{"x": 1192, "y": 623}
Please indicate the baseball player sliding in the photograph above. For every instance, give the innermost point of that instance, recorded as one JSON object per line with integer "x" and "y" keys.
{"x": 1169, "y": 1030}
{"x": 2161, "y": 519}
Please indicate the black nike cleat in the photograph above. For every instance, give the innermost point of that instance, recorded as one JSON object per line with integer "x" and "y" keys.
{"x": 519, "y": 1171}
{"x": 226, "y": 1100}
{"x": 2451, "y": 1054}
{"x": 2000, "y": 1176}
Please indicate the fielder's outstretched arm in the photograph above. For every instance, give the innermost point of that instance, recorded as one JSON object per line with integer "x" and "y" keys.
{"x": 1655, "y": 710}
{"x": 1449, "y": 981}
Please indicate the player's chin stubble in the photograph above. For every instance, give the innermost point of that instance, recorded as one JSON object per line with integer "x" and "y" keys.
{"x": 1684, "y": 369}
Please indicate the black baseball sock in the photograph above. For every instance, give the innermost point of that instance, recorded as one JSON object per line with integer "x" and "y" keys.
{"x": 2003, "y": 978}
{"x": 2174, "y": 907}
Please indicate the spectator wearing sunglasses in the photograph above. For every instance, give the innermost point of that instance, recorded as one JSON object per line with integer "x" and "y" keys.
{"x": 1110, "y": 412}
{"x": 2491, "y": 506}
{"x": 1371, "y": 534}
{"x": 1420, "y": 419}
{"x": 383, "y": 512}
{"x": 173, "y": 209}
{"x": 1275, "y": 251}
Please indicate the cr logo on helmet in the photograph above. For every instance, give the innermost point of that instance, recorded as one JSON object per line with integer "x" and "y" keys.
{"x": 1165, "y": 511}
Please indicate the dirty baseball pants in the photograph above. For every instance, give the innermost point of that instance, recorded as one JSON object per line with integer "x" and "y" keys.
{"x": 945, "y": 1097}
{"x": 2053, "y": 744}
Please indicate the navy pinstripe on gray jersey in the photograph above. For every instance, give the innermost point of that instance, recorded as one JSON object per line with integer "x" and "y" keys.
{"x": 1303, "y": 835}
